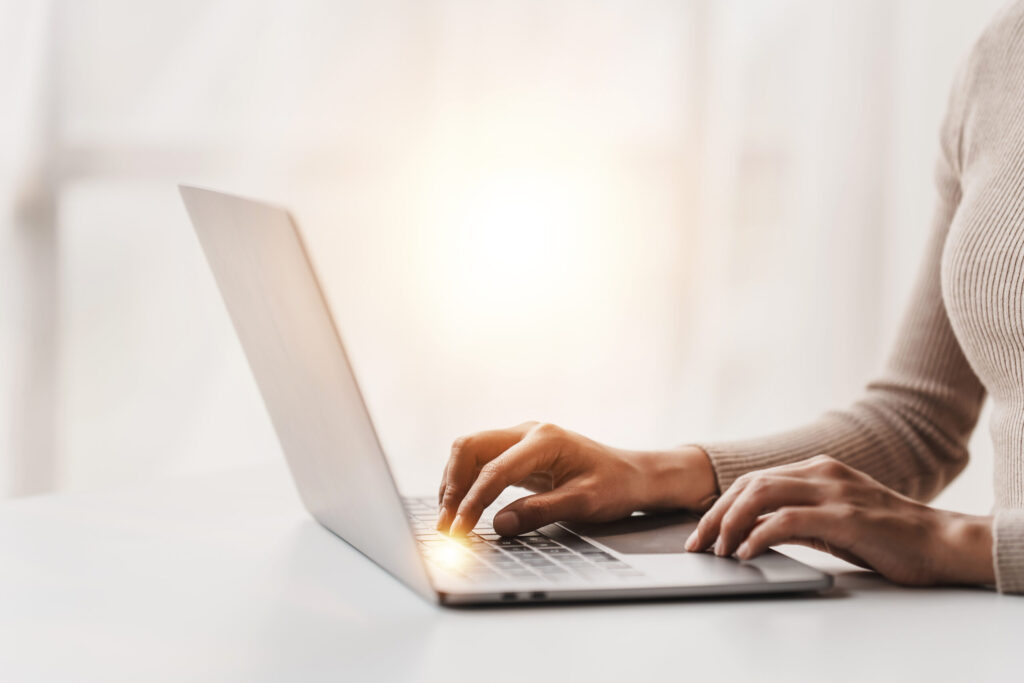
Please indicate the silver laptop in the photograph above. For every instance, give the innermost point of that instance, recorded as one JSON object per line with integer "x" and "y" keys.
{"x": 286, "y": 328}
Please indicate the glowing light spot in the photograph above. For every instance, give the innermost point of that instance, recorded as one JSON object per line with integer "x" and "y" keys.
{"x": 451, "y": 554}
{"x": 514, "y": 230}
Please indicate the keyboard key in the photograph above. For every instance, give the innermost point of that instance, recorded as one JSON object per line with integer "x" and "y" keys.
{"x": 521, "y": 572}
{"x": 573, "y": 541}
{"x": 501, "y": 567}
{"x": 601, "y": 557}
{"x": 499, "y": 553}
{"x": 487, "y": 551}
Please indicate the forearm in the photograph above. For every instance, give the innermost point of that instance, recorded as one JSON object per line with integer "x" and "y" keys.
{"x": 908, "y": 441}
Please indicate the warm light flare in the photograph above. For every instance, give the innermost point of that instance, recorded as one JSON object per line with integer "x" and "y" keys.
{"x": 516, "y": 243}
{"x": 449, "y": 554}
{"x": 515, "y": 229}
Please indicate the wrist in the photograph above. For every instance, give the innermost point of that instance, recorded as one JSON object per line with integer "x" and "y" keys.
{"x": 968, "y": 539}
{"x": 679, "y": 478}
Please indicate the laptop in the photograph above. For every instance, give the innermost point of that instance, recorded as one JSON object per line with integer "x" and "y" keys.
{"x": 283, "y": 320}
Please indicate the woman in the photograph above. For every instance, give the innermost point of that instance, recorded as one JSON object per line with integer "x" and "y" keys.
{"x": 962, "y": 338}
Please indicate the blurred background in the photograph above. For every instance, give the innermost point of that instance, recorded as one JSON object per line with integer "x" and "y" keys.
{"x": 652, "y": 221}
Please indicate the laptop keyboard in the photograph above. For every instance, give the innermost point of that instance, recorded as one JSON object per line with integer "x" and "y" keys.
{"x": 485, "y": 556}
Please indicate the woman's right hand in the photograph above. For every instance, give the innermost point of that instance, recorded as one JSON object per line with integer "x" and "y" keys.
{"x": 573, "y": 479}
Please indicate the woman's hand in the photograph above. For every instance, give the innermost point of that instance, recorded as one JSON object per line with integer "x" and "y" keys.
{"x": 832, "y": 507}
{"x": 572, "y": 477}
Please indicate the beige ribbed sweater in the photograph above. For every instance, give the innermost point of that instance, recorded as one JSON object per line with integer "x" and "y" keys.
{"x": 963, "y": 334}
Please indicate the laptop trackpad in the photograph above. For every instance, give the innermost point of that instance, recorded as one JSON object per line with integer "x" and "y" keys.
{"x": 647, "y": 534}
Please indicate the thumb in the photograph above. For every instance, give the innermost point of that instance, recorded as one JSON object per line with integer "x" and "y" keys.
{"x": 532, "y": 512}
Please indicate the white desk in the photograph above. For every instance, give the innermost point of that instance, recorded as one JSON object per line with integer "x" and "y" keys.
{"x": 224, "y": 578}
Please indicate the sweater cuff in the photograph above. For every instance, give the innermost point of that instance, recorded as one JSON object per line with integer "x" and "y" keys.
{"x": 726, "y": 463}
{"x": 731, "y": 459}
{"x": 1008, "y": 550}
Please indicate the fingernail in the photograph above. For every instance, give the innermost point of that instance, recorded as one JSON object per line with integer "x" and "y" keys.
{"x": 444, "y": 520}
{"x": 506, "y": 523}
{"x": 719, "y": 547}
{"x": 743, "y": 552}
{"x": 456, "y": 525}
{"x": 691, "y": 542}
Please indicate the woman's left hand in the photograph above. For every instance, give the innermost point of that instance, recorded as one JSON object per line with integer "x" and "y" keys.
{"x": 830, "y": 506}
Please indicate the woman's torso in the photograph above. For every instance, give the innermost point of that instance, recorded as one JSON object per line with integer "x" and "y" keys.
{"x": 983, "y": 259}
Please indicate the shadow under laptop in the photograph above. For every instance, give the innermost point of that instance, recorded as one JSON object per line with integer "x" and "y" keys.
{"x": 597, "y": 603}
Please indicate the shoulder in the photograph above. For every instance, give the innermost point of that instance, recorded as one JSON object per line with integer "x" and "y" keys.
{"x": 988, "y": 90}
{"x": 997, "y": 55}
{"x": 1005, "y": 27}
{"x": 1000, "y": 45}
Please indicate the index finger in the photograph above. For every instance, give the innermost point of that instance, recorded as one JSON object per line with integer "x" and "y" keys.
{"x": 514, "y": 465}
{"x": 469, "y": 454}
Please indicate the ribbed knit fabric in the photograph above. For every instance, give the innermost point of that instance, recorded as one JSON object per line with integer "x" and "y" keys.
{"x": 963, "y": 334}
{"x": 1009, "y": 543}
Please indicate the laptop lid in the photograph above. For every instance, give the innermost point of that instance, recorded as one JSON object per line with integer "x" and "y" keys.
{"x": 283, "y": 320}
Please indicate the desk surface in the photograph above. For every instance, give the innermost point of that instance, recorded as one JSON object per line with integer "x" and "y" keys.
{"x": 225, "y": 578}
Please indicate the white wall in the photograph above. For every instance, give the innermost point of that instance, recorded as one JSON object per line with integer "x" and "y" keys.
{"x": 650, "y": 221}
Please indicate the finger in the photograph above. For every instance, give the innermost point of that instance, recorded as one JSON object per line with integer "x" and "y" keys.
{"x": 707, "y": 530}
{"x": 440, "y": 490}
{"x": 540, "y": 509}
{"x": 468, "y": 454}
{"x": 443, "y": 518}
{"x": 515, "y": 464}
{"x": 811, "y": 523}
{"x": 764, "y": 494}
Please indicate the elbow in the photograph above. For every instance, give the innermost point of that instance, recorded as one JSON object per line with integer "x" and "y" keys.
{"x": 932, "y": 481}
{"x": 926, "y": 448}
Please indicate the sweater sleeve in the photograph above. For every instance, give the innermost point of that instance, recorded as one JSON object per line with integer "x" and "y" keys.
{"x": 910, "y": 428}
{"x": 1008, "y": 550}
